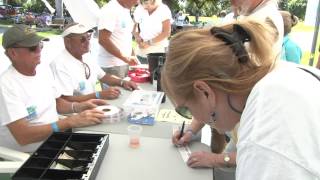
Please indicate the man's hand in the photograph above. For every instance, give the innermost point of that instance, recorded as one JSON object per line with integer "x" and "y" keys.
{"x": 143, "y": 45}
{"x": 86, "y": 118}
{"x": 132, "y": 61}
{"x": 110, "y": 93}
{"x": 129, "y": 85}
{"x": 89, "y": 104}
{"x": 137, "y": 37}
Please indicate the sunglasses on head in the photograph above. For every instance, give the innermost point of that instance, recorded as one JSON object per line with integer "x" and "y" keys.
{"x": 184, "y": 112}
{"x": 32, "y": 48}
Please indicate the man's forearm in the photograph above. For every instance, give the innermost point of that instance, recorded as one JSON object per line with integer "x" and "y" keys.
{"x": 109, "y": 46}
{"x": 111, "y": 80}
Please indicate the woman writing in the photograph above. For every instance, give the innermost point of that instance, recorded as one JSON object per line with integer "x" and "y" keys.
{"x": 228, "y": 75}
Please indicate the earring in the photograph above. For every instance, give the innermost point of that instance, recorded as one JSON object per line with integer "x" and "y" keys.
{"x": 213, "y": 117}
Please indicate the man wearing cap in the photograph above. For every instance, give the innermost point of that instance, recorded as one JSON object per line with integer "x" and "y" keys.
{"x": 28, "y": 99}
{"x": 78, "y": 75}
{"x": 115, "y": 27}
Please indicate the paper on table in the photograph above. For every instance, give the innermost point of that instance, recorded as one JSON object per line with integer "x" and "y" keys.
{"x": 170, "y": 115}
{"x": 185, "y": 152}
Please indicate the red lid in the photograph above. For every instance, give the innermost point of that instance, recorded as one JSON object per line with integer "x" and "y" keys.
{"x": 139, "y": 75}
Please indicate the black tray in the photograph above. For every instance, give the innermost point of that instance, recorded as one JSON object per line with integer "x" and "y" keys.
{"x": 66, "y": 155}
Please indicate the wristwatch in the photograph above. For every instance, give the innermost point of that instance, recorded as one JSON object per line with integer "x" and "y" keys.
{"x": 226, "y": 159}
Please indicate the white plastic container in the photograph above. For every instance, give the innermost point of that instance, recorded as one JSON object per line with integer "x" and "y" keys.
{"x": 142, "y": 106}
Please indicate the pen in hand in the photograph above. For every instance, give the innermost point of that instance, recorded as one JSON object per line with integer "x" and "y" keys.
{"x": 181, "y": 131}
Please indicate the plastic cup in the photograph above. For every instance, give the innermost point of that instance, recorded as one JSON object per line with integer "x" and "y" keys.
{"x": 134, "y": 132}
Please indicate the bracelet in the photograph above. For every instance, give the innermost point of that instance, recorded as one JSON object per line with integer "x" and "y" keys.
{"x": 55, "y": 127}
{"x": 121, "y": 82}
{"x": 73, "y": 107}
{"x": 150, "y": 42}
{"x": 98, "y": 96}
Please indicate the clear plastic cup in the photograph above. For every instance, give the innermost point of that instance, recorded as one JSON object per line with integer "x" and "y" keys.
{"x": 134, "y": 132}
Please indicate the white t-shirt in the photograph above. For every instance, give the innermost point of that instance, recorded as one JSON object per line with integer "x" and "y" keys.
{"x": 30, "y": 97}
{"x": 116, "y": 19}
{"x": 269, "y": 9}
{"x": 180, "y": 20}
{"x": 279, "y": 137}
{"x": 70, "y": 74}
{"x": 151, "y": 26}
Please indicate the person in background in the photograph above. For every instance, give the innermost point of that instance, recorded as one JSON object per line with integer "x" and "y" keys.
{"x": 290, "y": 50}
{"x": 78, "y": 75}
{"x": 115, "y": 37}
{"x": 262, "y": 10}
{"x": 179, "y": 20}
{"x": 230, "y": 74}
{"x": 29, "y": 101}
{"x": 154, "y": 20}
{"x": 186, "y": 20}
{"x": 231, "y": 16}
{"x": 221, "y": 15}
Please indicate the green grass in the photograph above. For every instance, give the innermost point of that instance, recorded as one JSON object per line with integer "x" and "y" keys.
{"x": 6, "y": 22}
{"x": 51, "y": 32}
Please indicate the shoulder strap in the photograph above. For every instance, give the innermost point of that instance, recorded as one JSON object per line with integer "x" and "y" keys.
{"x": 308, "y": 71}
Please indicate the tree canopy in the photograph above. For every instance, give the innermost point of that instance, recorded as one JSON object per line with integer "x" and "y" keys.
{"x": 193, "y": 7}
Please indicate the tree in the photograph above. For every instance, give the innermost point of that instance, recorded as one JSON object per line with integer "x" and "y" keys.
{"x": 101, "y": 2}
{"x": 283, "y": 5}
{"x": 207, "y": 7}
{"x": 298, "y": 7}
{"x": 59, "y": 8}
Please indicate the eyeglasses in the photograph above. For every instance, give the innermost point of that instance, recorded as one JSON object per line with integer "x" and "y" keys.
{"x": 87, "y": 71}
{"x": 184, "y": 112}
{"x": 83, "y": 38}
{"x": 32, "y": 48}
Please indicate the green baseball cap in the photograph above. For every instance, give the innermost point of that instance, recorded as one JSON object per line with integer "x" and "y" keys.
{"x": 22, "y": 35}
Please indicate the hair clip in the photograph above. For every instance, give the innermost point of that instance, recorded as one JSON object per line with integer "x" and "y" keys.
{"x": 236, "y": 40}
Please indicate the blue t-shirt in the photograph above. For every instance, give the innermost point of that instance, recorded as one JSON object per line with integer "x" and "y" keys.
{"x": 290, "y": 51}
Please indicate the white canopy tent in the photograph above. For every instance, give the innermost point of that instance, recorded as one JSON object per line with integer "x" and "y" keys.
{"x": 86, "y": 12}
{"x": 50, "y": 8}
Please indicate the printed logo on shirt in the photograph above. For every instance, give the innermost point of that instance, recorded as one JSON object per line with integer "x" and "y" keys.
{"x": 82, "y": 85}
{"x": 32, "y": 113}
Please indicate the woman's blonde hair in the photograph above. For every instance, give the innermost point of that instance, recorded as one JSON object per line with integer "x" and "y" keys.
{"x": 289, "y": 20}
{"x": 199, "y": 55}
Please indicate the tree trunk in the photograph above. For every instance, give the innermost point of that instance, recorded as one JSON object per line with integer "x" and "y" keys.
{"x": 59, "y": 8}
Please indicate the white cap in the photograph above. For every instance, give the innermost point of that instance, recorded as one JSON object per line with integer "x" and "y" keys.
{"x": 76, "y": 29}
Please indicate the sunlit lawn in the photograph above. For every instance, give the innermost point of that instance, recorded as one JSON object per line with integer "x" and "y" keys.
{"x": 300, "y": 27}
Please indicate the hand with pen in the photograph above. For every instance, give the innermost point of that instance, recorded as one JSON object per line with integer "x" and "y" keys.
{"x": 182, "y": 137}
